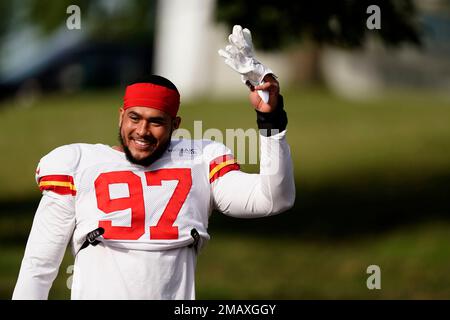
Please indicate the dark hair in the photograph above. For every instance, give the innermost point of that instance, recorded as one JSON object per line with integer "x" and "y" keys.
{"x": 158, "y": 80}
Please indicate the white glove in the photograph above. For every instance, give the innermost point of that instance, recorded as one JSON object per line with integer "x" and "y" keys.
{"x": 240, "y": 57}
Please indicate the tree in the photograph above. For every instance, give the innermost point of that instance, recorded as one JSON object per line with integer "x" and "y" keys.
{"x": 343, "y": 23}
{"x": 275, "y": 23}
{"x": 106, "y": 19}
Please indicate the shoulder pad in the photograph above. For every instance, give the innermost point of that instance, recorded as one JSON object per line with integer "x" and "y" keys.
{"x": 56, "y": 170}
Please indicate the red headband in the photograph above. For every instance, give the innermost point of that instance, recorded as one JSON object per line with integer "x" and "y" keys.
{"x": 152, "y": 96}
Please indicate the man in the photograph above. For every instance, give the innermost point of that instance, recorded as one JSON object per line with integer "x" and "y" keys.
{"x": 144, "y": 205}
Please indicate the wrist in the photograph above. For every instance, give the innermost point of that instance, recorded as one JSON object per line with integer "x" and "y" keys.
{"x": 271, "y": 123}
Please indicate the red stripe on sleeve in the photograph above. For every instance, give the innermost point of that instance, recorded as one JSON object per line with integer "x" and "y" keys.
{"x": 59, "y": 190}
{"x": 61, "y": 184}
{"x": 57, "y": 177}
{"x": 219, "y": 160}
{"x": 223, "y": 171}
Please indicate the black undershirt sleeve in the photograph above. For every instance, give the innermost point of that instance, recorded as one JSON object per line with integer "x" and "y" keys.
{"x": 271, "y": 123}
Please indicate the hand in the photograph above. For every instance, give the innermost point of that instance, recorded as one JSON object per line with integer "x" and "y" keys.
{"x": 271, "y": 85}
{"x": 240, "y": 56}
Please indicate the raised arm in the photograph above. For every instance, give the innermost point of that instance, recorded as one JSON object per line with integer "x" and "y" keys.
{"x": 273, "y": 189}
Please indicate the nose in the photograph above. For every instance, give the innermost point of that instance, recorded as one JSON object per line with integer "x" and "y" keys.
{"x": 141, "y": 129}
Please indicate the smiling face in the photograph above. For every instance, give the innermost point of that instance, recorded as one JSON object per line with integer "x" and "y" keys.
{"x": 145, "y": 133}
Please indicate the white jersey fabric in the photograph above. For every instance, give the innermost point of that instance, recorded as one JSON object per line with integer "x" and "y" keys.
{"x": 148, "y": 214}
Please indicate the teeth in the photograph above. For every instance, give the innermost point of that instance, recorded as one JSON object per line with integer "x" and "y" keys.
{"x": 141, "y": 142}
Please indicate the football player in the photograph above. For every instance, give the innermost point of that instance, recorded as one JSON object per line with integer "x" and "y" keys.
{"x": 136, "y": 214}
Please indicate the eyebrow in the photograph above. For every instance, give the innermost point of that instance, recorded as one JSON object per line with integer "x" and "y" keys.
{"x": 149, "y": 119}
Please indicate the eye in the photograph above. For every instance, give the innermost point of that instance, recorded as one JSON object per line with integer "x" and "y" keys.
{"x": 134, "y": 118}
{"x": 157, "y": 123}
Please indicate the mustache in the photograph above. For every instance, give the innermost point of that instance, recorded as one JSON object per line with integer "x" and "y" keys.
{"x": 148, "y": 139}
{"x": 146, "y": 161}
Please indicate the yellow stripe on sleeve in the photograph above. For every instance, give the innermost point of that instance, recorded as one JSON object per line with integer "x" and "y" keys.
{"x": 220, "y": 166}
{"x": 57, "y": 184}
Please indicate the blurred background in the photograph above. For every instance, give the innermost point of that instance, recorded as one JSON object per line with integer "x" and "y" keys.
{"x": 369, "y": 131}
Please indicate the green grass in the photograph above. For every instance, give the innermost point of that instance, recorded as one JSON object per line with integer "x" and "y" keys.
{"x": 414, "y": 264}
{"x": 355, "y": 162}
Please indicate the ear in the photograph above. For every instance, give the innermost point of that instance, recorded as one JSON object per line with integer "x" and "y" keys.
{"x": 121, "y": 114}
{"x": 176, "y": 123}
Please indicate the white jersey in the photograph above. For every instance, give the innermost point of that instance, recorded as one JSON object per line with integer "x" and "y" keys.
{"x": 140, "y": 208}
{"x": 148, "y": 215}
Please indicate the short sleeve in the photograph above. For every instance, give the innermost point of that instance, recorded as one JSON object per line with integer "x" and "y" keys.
{"x": 56, "y": 170}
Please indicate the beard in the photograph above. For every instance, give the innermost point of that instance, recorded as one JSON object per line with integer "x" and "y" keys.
{"x": 156, "y": 154}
